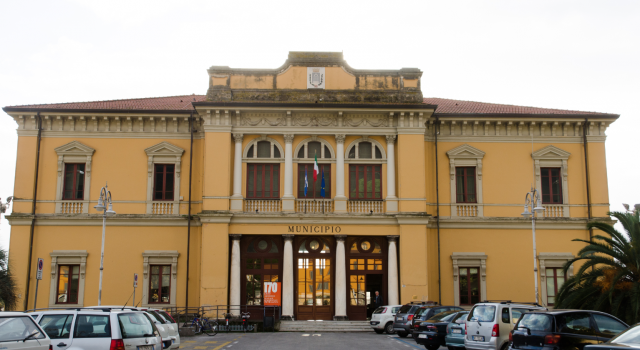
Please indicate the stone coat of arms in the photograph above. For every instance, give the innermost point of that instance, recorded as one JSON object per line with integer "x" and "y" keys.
{"x": 315, "y": 78}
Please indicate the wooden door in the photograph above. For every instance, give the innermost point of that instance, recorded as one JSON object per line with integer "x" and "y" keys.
{"x": 314, "y": 281}
{"x": 366, "y": 256}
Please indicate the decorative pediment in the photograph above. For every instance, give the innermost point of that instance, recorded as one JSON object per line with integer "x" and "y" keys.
{"x": 74, "y": 148}
{"x": 164, "y": 149}
{"x": 465, "y": 151}
{"x": 551, "y": 152}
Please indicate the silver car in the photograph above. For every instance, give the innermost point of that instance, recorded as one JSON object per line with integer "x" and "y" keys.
{"x": 489, "y": 324}
{"x": 19, "y": 331}
{"x": 100, "y": 329}
{"x": 171, "y": 325}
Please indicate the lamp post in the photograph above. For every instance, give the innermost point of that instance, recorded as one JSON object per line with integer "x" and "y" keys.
{"x": 533, "y": 198}
{"x": 105, "y": 198}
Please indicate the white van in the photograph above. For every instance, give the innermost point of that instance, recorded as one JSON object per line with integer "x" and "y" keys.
{"x": 489, "y": 324}
{"x": 19, "y": 331}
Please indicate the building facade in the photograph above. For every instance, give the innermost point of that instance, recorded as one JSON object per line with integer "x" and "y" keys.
{"x": 418, "y": 198}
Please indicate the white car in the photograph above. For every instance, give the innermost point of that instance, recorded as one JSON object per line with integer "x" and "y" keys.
{"x": 19, "y": 331}
{"x": 489, "y": 324}
{"x": 164, "y": 329}
{"x": 99, "y": 329}
{"x": 382, "y": 318}
{"x": 171, "y": 325}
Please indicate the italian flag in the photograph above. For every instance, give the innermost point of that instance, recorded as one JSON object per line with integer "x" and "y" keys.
{"x": 316, "y": 170}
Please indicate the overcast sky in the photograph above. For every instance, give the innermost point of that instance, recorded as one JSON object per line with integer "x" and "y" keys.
{"x": 580, "y": 55}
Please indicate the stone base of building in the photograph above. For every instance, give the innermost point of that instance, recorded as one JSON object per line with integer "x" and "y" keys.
{"x": 340, "y": 318}
{"x": 286, "y": 318}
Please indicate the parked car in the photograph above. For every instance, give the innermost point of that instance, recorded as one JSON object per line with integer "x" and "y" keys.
{"x": 100, "y": 329}
{"x": 163, "y": 329}
{"x": 564, "y": 329}
{"x": 431, "y": 332}
{"x": 382, "y": 318}
{"x": 171, "y": 324}
{"x": 402, "y": 321}
{"x": 490, "y": 323}
{"x": 19, "y": 331}
{"x": 426, "y": 312}
{"x": 456, "y": 331}
{"x": 627, "y": 340}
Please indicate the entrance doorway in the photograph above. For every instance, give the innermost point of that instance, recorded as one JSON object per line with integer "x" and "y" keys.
{"x": 366, "y": 274}
{"x": 314, "y": 279}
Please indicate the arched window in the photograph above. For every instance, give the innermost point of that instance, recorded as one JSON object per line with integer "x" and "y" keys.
{"x": 366, "y": 149}
{"x": 264, "y": 155}
{"x": 305, "y": 153}
{"x": 365, "y": 157}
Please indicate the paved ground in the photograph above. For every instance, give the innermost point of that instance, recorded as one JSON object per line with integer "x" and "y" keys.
{"x": 300, "y": 341}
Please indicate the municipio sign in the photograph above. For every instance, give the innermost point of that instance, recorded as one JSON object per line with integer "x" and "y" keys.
{"x": 272, "y": 293}
{"x": 39, "y": 267}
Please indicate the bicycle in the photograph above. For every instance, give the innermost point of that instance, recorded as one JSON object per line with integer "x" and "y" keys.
{"x": 208, "y": 327}
{"x": 245, "y": 322}
{"x": 227, "y": 317}
{"x": 195, "y": 323}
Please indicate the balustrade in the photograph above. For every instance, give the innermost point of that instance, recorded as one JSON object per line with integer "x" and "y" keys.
{"x": 72, "y": 207}
{"x": 467, "y": 210}
{"x": 553, "y": 211}
{"x": 314, "y": 205}
{"x": 365, "y": 207}
{"x": 262, "y": 205}
{"x": 162, "y": 208}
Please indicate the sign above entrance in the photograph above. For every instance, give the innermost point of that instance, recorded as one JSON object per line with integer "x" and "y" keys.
{"x": 314, "y": 229}
{"x": 272, "y": 294}
{"x": 315, "y": 78}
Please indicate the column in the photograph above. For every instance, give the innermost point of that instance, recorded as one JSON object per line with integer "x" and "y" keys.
{"x": 288, "y": 201}
{"x": 391, "y": 200}
{"x": 234, "y": 290}
{"x": 341, "y": 280}
{"x": 236, "y": 198}
{"x": 340, "y": 202}
{"x": 287, "y": 279}
{"x": 392, "y": 278}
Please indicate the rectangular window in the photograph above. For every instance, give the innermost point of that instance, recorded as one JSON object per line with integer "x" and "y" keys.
{"x": 357, "y": 290}
{"x": 263, "y": 181}
{"x": 365, "y": 182}
{"x": 318, "y": 184}
{"x": 255, "y": 284}
{"x": 555, "y": 280}
{"x": 466, "y": 185}
{"x": 160, "y": 284}
{"x": 551, "y": 185}
{"x": 73, "y": 182}
{"x": 68, "y": 284}
{"x": 469, "y": 285}
{"x": 163, "y": 182}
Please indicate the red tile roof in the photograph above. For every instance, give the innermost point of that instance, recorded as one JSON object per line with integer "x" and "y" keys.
{"x": 183, "y": 103}
{"x": 447, "y": 107}
{"x": 172, "y": 103}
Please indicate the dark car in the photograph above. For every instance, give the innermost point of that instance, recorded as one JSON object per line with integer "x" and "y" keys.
{"x": 628, "y": 340}
{"x": 402, "y": 321}
{"x": 431, "y": 333}
{"x": 426, "y": 312}
{"x": 564, "y": 329}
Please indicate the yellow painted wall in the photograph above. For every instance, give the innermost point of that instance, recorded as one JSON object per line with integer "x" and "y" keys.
{"x": 339, "y": 79}
{"x": 410, "y": 83}
{"x": 214, "y": 265}
{"x": 413, "y": 263}
{"x": 292, "y": 78}
{"x": 252, "y": 82}
{"x": 411, "y": 171}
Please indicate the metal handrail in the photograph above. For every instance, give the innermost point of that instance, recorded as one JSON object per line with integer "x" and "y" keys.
{"x": 184, "y": 315}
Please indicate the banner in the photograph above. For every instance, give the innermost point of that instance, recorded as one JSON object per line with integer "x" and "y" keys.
{"x": 272, "y": 293}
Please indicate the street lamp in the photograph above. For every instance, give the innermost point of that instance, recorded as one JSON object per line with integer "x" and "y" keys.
{"x": 533, "y": 198}
{"x": 105, "y": 198}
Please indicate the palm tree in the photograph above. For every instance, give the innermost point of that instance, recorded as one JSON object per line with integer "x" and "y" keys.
{"x": 8, "y": 285}
{"x": 609, "y": 279}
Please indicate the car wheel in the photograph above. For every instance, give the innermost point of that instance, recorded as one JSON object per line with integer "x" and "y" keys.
{"x": 432, "y": 347}
{"x": 505, "y": 346}
{"x": 389, "y": 328}
{"x": 379, "y": 331}
{"x": 403, "y": 334}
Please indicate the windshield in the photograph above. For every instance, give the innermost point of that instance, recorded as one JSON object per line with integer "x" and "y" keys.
{"x": 446, "y": 316}
{"x": 166, "y": 316}
{"x": 536, "y": 322}
{"x": 421, "y": 311}
{"x": 404, "y": 309}
{"x": 630, "y": 336}
{"x": 482, "y": 313}
{"x": 156, "y": 316}
{"x": 460, "y": 318}
{"x": 18, "y": 328}
{"x": 135, "y": 325}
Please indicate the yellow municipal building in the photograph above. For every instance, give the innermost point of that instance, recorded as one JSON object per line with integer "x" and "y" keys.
{"x": 417, "y": 198}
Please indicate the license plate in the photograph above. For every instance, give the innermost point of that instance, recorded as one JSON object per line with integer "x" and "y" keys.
{"x": 477, "y": 338}
{"x": 456, "y": 331}
{"x": 422, "y": 335}
{"x": 145, "y": 347}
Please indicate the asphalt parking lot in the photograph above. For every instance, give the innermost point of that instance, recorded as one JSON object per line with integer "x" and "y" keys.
{"x": 299, "y": 341}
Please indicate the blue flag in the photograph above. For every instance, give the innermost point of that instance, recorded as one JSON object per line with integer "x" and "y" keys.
{"x": 306, "y": 183}
{"x": 322, "y": 184}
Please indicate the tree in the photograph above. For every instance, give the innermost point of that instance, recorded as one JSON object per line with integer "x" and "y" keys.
{"x": 8, "y": 285}
{"x": 609, "y": 279}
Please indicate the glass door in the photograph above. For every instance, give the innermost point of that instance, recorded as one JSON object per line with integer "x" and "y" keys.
{"x": 313, "y": 280}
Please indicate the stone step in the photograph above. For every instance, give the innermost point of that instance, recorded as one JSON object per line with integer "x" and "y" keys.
{"x": 325, "y": 326}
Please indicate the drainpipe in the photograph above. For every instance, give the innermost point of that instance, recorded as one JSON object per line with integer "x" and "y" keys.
{"x": 436, "y": 130}
{"x": 586, "y": 168}
{"x": 33, "y": 210}
{"x": 191, "y": 128}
